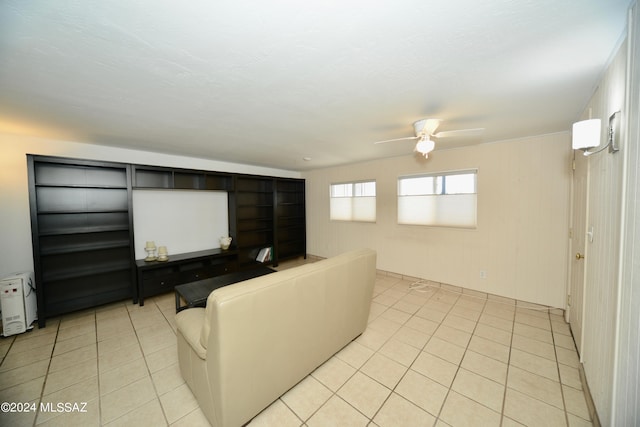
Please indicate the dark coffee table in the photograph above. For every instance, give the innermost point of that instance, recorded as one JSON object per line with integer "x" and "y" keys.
{"x": 196, "y": 293}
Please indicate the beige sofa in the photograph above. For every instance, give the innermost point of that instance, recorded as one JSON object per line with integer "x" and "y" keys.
{"x": 257, "y": 339}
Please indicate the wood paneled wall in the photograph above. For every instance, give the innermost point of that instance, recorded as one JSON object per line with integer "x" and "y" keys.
{"x": 523, "y": 213}
{"x": 603, "y": 254}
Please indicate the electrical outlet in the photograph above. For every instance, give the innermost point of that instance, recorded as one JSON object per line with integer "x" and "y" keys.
{"x": 483, "y": 274}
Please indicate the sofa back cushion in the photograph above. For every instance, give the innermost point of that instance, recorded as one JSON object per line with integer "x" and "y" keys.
{"x": 268, "y": 333}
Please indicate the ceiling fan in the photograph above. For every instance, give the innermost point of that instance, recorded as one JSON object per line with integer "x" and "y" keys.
{"x": 424, "y": 130}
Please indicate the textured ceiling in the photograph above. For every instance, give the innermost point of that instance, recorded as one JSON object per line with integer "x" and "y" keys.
{"x": 270, "y": 82}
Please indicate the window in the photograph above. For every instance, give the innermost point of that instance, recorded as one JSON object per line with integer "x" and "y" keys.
{"x": 442, "y": 199}
{"x": 353, "y": 201}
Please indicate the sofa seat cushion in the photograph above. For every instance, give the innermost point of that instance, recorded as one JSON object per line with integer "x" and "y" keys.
{"x": 190, "y": 323}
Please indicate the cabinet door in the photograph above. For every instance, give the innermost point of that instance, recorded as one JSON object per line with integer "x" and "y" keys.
{"x": 159, "y": 280}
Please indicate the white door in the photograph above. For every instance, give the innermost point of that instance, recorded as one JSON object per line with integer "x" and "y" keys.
{"x": 577, "y": 261}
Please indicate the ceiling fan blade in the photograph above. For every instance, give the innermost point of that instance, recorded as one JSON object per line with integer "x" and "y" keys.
{"x": 460, "y": 132}
{"x": 396, "y": 139}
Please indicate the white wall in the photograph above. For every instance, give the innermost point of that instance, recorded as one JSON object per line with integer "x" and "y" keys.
{"x": 626, "y": 401}
{"x": 522, "y": 234}
{"x": 602, "y": 255}
{"x": 15, "y": 226}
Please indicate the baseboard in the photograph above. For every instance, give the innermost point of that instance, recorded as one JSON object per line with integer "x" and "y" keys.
{"x": 459, "y": 289}
{"x": 474, "y": 293}
{"x": 587, "y": 395}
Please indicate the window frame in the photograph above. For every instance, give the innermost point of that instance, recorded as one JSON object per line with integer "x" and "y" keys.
{"x": 440, "y": 201}
{"x": 353, "y": 197}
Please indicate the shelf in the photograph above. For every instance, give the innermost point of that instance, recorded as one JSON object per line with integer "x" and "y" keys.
{"x": 291, "y": 227}
{"x": 218, "y": 182}
{"x": 79, "y": 212}
{"x": 188, "y": 180}
{"x": 83, "y": 230}
{"x": 289, "y": 241}
{"x": 81, "y": 199}
{"x": 84, "y": 248}
{"x": 155, "y": 277}
{"x": 290, "y": 204}
{"x": 152, "y": 178}
{"x": 89, "y": 291}
{"x": 78, "y": 272}
{"x": 79, "y": 186}
{"x": 82, "y": 174}
{"x": 247, "y": 205}
{"x": 254, "y": 185}
{"x": 187, "y": 256}
{"x": 82, "y": 220}
{"x": 60, "y": 304}
{"x": 257, "y": 230}
{"x": 180, "y": 179}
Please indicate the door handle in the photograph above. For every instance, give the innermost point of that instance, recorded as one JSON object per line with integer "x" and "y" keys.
{"x": 579, "y": 256}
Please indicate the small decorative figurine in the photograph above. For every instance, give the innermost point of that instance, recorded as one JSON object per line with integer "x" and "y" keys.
{"x": 225, "y": 242}
{"x": 162, "y": 254}
{"x": 150, "y": 249}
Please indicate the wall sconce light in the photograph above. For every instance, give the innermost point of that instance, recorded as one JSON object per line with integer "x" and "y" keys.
{"x": 586, "y": 134}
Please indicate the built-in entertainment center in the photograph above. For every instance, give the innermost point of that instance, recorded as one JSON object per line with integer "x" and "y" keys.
{"x": 90, "y": 221}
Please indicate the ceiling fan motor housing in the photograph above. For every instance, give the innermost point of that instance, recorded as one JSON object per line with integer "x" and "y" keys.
{"x": 426, "y": 126}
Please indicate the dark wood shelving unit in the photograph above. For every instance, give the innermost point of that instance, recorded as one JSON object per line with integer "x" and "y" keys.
{"x": 82, "y": 233}
{"x": 152, "y": 177}
{"x": 251, "y": 218}
{"x": 82, "y": 229}
{"x": 290, "y": 216}
{"x": 155, "y": 277}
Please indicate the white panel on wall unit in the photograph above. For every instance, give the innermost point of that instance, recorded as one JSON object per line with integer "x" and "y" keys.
{"x": 183, "y": 221}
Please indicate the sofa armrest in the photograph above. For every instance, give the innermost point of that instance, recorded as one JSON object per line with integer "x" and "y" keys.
{"x": 190, "y": 324}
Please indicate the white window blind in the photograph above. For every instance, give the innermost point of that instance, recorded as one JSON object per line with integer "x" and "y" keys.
{"x": 446, "y": 199}
{"x": 353, "y": 201}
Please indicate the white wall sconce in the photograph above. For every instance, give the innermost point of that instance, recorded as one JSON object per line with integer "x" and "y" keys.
{"x": 586, "y": 135}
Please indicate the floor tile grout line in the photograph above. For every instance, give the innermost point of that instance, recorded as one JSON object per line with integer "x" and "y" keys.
{"x": 452, "y": 305}
{"x": 436, "y": 416}
{"x": 458, "y": 370}
{"x": 114, "y": 391}
{"x": 375, "y": 352}
{"x": 153, "y": 382}
{"x": 51, "y": 361}
{"x": 564, "y": 402}
{"x": 564, "y": 409}
{"x": 155, "y": 390}
{"x": 393, "y": 390}
{"x": 100, "y": 409}
{"x": 335, "y": 393}
{"x": 506, "y": 378}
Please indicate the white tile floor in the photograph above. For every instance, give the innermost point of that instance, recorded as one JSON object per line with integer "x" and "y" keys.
{"x": 429, "y": 357}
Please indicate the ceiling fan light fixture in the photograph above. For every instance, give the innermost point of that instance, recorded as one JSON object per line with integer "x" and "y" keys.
{"x": 425, "y": 146}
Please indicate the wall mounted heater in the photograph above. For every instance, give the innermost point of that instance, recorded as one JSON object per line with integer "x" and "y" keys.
{"x": 18, "y": 303}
